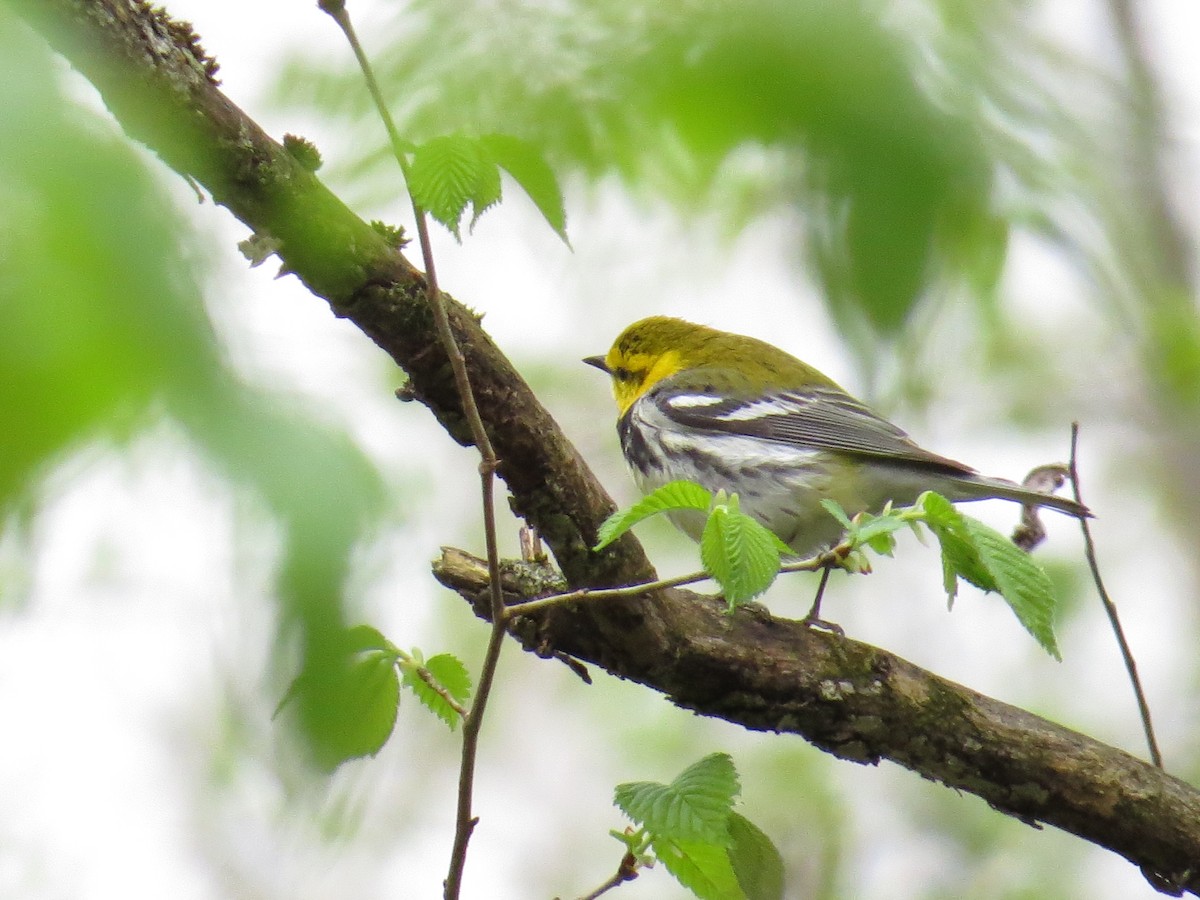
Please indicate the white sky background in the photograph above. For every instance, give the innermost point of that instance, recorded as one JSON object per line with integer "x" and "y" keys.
{"x": 112, "y": 675}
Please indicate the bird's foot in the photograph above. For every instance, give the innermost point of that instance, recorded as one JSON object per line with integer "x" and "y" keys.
{"x": 811, "y": 621}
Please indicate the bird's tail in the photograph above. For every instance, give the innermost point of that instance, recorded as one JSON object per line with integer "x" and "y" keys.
{"x": 981, "y": 488}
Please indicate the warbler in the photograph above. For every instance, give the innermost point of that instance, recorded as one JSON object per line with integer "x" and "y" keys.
{"x": 737, "y": 414}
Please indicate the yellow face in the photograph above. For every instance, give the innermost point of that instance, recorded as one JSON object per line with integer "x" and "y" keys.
{"x": 656, "y": 348}
{"x": 647, "y": 352}
{"x": 634, "y": 373}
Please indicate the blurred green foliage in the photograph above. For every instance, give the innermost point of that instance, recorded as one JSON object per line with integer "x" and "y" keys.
{"x": 908, "y": 141}
{"x": 450, "y": 172}
{"x": 817, "y": 106}
{"x": 102, "y": 329}
{"x": 347, "y": 704}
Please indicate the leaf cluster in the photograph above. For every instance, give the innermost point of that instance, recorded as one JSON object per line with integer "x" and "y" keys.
{"x": 823, "y": 108}
{"x": 347, "y": 699}
{"x": 105, "y": 336}
{"x": 451, "y": 172}
{"x": 690, "y": 826}
{"x": 744, "y": 557}
{"x": 741, "y": 555}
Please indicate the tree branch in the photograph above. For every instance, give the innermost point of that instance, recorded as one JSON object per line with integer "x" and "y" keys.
{"x": 864, "y": 704}
{"x": 853, "y": 700}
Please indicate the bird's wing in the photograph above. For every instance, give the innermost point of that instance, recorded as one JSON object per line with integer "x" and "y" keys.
{"x": 820, "y": 418}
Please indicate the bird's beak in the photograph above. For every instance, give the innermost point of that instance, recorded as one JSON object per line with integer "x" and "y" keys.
{"x": 598, "y": 362}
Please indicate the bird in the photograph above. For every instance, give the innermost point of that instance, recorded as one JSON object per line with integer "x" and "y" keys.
{"x": 738, "y": 414}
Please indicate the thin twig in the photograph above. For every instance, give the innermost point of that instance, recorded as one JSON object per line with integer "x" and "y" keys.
{"x": 473, "y": 722}
{"x": 646, "y": 587}
{"x": 1089, "y": 549}
{"x": 633, "y": 590}
{"x": 627, "y": 871}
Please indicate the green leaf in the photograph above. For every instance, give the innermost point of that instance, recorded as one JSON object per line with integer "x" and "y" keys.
{"x": 878, "y": 531}
{"x": 693, "y": 807}
{"x": 742, "y": 555}
{"x": 875, "y": 531}
{"x": 486, "y": 193}
{"x": 529, "y": 169}
{"x": 960, "y": 557}
{"x": 835, "y": 509}
{"x": 702, "y": 868}
{"x": 347, "y": 698}
{"x": 674, "y": 495}
{"x": 1020, "y": 581}
{"x": 449, "y": 172}
{"x": 990, "y": 561}
{"x": 938, "y": 511}
{"x": 450, "y": 673}
{"x": 756, "y": 860}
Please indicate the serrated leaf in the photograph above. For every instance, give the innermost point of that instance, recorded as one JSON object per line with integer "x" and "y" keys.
{"x": 450, "y": 673}
{"x": 990, "y": 561}
{"x": 1020, "y": 581}
{"x": 740, "y": 554}
{"x": 486, "y": 193}
{"x": 529, "y": 169}
{"x": 878, "y": 532}
{"x": 347, "y": 699}
{"x": 875, "y": 526}
{"x": 447, "y": 173}
{"x": 937, "y": 509}
{"x": 673, "y": 495}
{"x": 702, "y": 868}
{"x": 693, "y": 807}
{"x": 713, "y": 776}
{"x": 960, "y": 558}
{"x": 756, "y": 860}
{"x": 884, "y": 543}
{"x": 835, "y": 509}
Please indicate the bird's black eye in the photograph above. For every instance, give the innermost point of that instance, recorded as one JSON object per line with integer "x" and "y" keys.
{"x": 622, "y": 374}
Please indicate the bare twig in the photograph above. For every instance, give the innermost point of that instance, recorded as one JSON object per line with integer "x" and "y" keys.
{"x": 626, "y": 871}
{"x": 633, "y": 590}
{"x": 1110, "y": 608}
{"x": 649, "y": 587}
{"x": 473, "y": 721}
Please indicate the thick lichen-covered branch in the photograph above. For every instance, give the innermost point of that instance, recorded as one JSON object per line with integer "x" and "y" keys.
{"x": 866, "y": 705}
{"x": 856, "y": 701}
